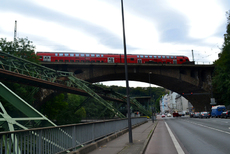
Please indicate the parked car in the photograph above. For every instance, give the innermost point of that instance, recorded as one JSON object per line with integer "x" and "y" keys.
{"x": 191, "y": 114}
{"x": 169, "y": 115}
{"x": 204, "y": 115}
{"x": 225, "y": 114}
{"x": 163, "y": 115}
{"x": 196, "y": 115}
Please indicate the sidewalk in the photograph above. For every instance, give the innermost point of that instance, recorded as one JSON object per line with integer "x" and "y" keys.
{"x": 120, "y": 145}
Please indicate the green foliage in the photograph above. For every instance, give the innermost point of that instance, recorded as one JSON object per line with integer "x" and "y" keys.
{"x": 21, "y": 47}
{"x": 221, "y": 79}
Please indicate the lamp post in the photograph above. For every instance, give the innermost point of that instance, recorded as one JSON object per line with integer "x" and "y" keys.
{"x": 126, "y": 77}
{"x": 151, "y": 96}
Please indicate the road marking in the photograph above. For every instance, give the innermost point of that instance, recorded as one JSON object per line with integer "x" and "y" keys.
{"x": 210, "y": 127}
{"x": 176, "y": 144}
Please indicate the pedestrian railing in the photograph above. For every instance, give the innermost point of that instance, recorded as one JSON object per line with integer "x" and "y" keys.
{"x": 60, "y": 139}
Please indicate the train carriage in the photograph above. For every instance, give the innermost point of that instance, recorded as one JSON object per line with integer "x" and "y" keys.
{"x": 111, "y": 58}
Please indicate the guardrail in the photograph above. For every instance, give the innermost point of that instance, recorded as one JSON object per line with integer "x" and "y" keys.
{"x": 61, "y": 138}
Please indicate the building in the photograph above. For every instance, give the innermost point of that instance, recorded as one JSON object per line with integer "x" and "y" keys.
{"x": 173, "y": 102}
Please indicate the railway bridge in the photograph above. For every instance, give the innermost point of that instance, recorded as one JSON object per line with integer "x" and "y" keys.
{"x": 192, "y": 81}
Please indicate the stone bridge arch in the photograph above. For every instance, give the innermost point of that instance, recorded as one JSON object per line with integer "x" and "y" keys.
{"x": 187, "y": 79}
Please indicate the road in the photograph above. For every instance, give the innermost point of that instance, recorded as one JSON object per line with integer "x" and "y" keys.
{"x": 193, "y": 135}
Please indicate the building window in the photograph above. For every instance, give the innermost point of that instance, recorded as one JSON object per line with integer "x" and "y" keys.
{"x": 66, "y": 54}
{"x": 77, "y": 55}
{"x": 87, "y": 55}
{"x": 60, "y": 54}
{"x": 82, "y": 55}
{"x": 92, "y": 55}
{"x": 71, "y": 54}
{"x": 56, "y": 54}
{"x": 97, "y": 55}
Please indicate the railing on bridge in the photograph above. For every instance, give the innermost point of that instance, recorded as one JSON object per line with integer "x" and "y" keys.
{"x": 60, "y": 139}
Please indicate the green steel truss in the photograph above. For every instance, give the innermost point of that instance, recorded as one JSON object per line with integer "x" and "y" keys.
{"x": 25, "y": 67}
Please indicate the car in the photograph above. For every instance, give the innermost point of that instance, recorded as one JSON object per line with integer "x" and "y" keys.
{"x": 169, "y": 115}
{"x": 181, "y": 113}
{"x": 196, "y": 115}
{"x": 191, "y": 114}
{"x": 163, "y": 115}
{"x": 204, "y": 115}
{"x": 225, "y": 114}
{"x": 175, "y": 114}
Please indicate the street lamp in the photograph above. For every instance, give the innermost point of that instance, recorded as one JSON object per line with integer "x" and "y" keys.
{"x": 150, "y": 96}
{"x": 126, "y": 76}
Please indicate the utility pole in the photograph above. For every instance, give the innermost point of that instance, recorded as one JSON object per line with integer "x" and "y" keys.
{"x": 15, "y": 31}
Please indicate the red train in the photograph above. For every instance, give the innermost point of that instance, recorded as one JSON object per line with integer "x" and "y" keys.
{"x": 111, "y": 58}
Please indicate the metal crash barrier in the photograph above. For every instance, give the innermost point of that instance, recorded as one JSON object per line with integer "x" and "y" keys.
{"x": 60, "y": 138}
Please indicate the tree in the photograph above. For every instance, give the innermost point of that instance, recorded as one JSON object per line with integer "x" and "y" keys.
{"x": 21, "y": 47}
{"x": 221, "y": 79}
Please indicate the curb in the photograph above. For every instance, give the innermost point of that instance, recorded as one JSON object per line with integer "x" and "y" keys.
{"x": 149, "y": 137}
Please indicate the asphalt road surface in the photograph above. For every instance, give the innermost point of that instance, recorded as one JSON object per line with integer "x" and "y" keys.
{"x": 192, "y": 135}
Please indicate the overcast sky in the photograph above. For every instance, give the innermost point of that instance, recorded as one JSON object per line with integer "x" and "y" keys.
{"x": 169, "y": 27}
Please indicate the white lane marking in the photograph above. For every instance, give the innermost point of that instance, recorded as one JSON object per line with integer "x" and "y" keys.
{"x": 176, "y": 144}
{"x": 210, "y": 127}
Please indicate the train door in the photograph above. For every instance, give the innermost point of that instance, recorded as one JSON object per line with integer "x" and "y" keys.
{"x": 174, "y": 61}
{"x": 46, "y": 58}
{"x": 139, "y": 61}
{"x": 110, "y": 59}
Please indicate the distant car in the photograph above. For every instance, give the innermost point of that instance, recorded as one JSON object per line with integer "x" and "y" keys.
{"x": 163, "y": 115}
{"x": 169, "y": 115}
{"x": 191, "y": 114}
{"x": 175, "y": 114}
{"x": 196, "y": 115}
{"x": 225, "y": 114}
{"x": 181, "y": 113}
{"x": 204, "y": 115}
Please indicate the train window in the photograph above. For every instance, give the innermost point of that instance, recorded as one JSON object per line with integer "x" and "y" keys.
{"x": 97, "y": 55}
{"x": 102, "y": 61}
{"x": 60, "y": 60}
{"x": 66, "y": 54}
{"x": 181, "y": 59}
{"x": 71, "y": 60}
{"x": 92, "y": 55}
{"x": 56, "y": 60}
{"x": 40, "y": 57}
{"x": 60, "y": 54}
{"x": 137, "y": 56}
{"x": 171, "y": 57}
{"x": 167, "y": 57}
{"x": 87, "y": 61}
{"x": 77, "y": 55}
{"x": 142, "y": 56}
{"x": 82, "y": 55}
{"x": 146, "y": 56}
{"x": 93, "y": 61}
{"x": 150, "y": 56}
{"x": 132, "y": 59}
{"x": 82, "y": 61}
{"x": 66, "y": 60}
{"x": 71, "y": 54}
{"x": 87, "y": 55}
{"x": 102, "y": 55}
{"x": 98, "y": 61}
{"x": 77, "y": 61}
{"x": 56, "y": 54}
{"x": 159, "y": 56}
{"x": 155, "y": 56}
{"x": 163, "y": 56}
